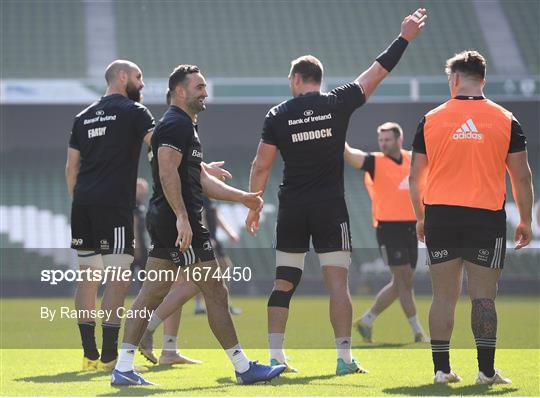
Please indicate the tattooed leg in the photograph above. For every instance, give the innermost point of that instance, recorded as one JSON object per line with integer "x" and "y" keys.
{"x": 484, "y": 327}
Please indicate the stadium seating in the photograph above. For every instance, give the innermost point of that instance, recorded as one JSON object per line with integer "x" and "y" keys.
{"x": 236, "y": 38}
{"x": 258, "y": 39}
{"x": 523, "y": 16}
{"x": 42, "y": 39}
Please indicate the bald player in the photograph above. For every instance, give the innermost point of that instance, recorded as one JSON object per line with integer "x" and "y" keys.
{"x": 101, "y": 175}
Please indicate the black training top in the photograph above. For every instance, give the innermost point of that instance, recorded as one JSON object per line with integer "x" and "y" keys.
{"x": 109, "y": 134}
{"x": 176, "y": 130}
{"x": 310, "y": 132}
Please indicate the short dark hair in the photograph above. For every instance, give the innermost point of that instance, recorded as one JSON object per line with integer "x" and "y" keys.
{"x": 179, "y": 74}
{"x": 309, "y": 67}
{"x": 470, "y": 63}
{"x": 391, "y": 126}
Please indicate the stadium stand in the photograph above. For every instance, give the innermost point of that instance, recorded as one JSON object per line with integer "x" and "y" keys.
{"x": 272, "y": 33}
{"x": 35, "y": 43}
{"x": 210, "y": 33}
{"x": 523, "y": 16}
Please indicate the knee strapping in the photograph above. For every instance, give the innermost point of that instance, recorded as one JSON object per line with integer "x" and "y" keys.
{"x": 282, "y": 298}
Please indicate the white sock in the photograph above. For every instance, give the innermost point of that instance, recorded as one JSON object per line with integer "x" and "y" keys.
{"x": 126, "y": 358}
{"x": 275, "y": 344}
{"x": 169, "y": 344}
{"x": 368, "y": 318}
{"x": 153, "y": 323}
{"x": 343, "y": 348}
{"x": 415, "y": 324}
{"x": 238, "y": 358}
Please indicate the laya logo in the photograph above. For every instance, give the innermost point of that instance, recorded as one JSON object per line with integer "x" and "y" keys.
{"x": 439, "y": 254}
{"x": 468, "y": 131}
{"x": 308, "y": 112}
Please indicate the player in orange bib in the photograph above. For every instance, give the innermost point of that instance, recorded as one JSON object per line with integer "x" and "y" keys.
{"x": 468, "y": 142}
{"x": 387, "y": 181}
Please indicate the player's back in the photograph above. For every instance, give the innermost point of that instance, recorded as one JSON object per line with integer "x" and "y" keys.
{"x": 310, "y": 132}
{"x": 109, "y": 134}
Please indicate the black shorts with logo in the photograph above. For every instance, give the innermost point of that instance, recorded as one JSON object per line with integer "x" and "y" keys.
{"x": 103, "y": 229}
{"x": 326, "y": 223}
{"x": 397, "y": 242}
{"x": 163, "y": 237}
{"x": 475, "y": 235}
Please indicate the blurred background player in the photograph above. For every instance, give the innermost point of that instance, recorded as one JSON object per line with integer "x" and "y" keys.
{"x": 310, "y": 132}
{"x": 468, "y": 143}
{"x": 212, "y": 220}
{"x": 178, "y": 237}
{"x": 101, "y": 173}
{"x": 387, "y": 181}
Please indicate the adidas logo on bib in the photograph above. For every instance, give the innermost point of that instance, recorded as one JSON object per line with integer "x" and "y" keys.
{"x": 468, "y": 131}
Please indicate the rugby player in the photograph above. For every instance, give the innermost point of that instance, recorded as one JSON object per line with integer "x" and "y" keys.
{"x": 309, "y": 130}
{"x": 101, "y": 174}
{"x": 178, "y": 237}
{"x": 468, "y": 143}
{"x": 387, "y": 181}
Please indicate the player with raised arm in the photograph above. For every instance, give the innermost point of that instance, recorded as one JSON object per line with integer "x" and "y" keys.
{"x": 309, "y": 130}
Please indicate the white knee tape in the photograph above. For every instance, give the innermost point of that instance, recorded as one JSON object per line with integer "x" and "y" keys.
{"x": 118, "y": 260}
{"x": 89, "y": 259}
{"x": 295, "y": 260}
{"x": 337, "y": 258}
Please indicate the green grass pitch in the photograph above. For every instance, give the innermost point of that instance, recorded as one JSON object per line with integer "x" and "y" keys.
{"x": 39, "y": 357}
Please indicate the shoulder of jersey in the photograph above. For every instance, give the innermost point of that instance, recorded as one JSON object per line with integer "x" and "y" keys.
{"x": 279, "y": 108}
{"x": 87, "y": 109}
{"x": 505, "y": 111}
{"x": 441, "y": 107}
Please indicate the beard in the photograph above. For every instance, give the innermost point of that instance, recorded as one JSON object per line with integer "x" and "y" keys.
{"x": 133, "y": 92}
{"x": 196, "y": 105}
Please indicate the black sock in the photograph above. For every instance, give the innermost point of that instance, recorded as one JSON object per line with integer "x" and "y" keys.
{"x": 440, "y": 352}
{"x": 109, "y": 351}
{"x": 88, "y": 339}
{"x": 485, "y": 349}
{"x": 484, "y": 327}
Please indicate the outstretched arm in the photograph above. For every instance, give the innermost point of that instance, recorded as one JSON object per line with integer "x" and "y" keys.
{"x": 216, "y": 189}
{"x": 355, "y": 157}
{"x": 410, "y": 27}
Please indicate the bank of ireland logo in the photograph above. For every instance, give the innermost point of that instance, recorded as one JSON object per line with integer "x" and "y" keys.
{"x": 100, "y": 113}
{"x": 104, "y": 244}
{"x": 207, "y": 245}
{"x": 308, "y": 112}
{"x": 483, "y": 255}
